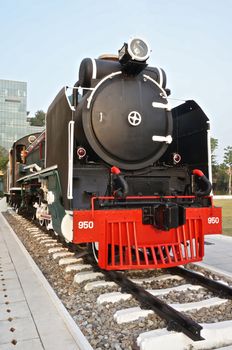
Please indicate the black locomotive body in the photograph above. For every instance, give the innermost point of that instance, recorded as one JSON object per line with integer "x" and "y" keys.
{"x": 122, "y": 170}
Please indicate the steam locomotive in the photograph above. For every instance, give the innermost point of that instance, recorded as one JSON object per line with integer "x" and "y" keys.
{"x": 117, "y": 170}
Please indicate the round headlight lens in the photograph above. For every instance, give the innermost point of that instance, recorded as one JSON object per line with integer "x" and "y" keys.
{"x": 138, "y": 49}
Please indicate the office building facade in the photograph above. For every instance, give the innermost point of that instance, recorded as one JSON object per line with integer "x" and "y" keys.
{"x": 13, "y": 112}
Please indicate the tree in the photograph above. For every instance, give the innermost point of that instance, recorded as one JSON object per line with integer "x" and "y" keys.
{"x": 215, "y": 167}
{"x": 221, "y": 183}
{"x": 228, "y": 164}
{"x": 3, "y": 158}
{"x": 39, "y": 119}
{"x": 214, "y": 146}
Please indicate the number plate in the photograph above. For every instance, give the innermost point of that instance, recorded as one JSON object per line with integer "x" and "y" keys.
{"x": 85, "y": 225}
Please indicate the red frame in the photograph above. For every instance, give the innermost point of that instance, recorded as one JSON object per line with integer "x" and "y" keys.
{"x": 126, "y": 243}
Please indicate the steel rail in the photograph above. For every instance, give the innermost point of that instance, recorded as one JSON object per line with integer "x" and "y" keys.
{"x": 176, "y": 320}
{"x": 214, "y": 286}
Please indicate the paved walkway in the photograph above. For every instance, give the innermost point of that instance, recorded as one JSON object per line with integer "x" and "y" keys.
{"x": 3, "y": 205}
{"x": 218, "y": 252}
{"x": 29, "y": 317}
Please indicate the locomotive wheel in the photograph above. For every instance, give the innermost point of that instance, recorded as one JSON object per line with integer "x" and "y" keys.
{"x": 33, "y": 218}
{"x": 47, "y": 222}
{"x": 94, "y": 249}
{"x": 14, "y": 206}
{"x": 41, "y": 222}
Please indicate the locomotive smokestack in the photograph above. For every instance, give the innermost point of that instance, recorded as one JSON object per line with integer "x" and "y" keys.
{"x": 133, "y": 56}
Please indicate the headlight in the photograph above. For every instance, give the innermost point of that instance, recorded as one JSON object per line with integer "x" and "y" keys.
{"x": 133, "y": 56}
{"x": 138, "y": 49}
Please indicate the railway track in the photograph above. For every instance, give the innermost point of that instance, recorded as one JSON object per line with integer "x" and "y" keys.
{"x": 134, "y": 303}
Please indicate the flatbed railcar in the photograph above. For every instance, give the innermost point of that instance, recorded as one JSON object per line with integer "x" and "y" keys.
{"x": 118, "y": 170}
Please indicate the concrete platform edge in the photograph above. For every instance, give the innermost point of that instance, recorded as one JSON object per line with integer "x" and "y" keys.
{"x": 73, "y": 328}
{"x": 214, "y": 269}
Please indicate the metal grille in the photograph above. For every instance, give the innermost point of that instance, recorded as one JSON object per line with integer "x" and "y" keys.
{"x": 126, "y": 252}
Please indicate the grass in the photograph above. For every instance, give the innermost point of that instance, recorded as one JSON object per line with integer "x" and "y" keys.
{"x": 226, "y": 205}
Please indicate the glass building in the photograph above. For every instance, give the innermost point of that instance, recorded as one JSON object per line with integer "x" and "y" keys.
{"x": 13, "y": 112}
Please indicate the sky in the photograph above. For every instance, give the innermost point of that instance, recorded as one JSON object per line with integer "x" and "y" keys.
{"x": 43, "y": 42}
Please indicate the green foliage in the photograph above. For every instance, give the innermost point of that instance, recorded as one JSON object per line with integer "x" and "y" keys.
{"x": 3, "y": 158}
{"x": 215, "y": 167}
{"x": 220, "y": 180}
{"x": 214, "y": 146}
{"x": 228, "y": 164}
{"x": 222, "y": 173}
{"x": 39, "y": 119}
{"x": 228, "y": 156}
